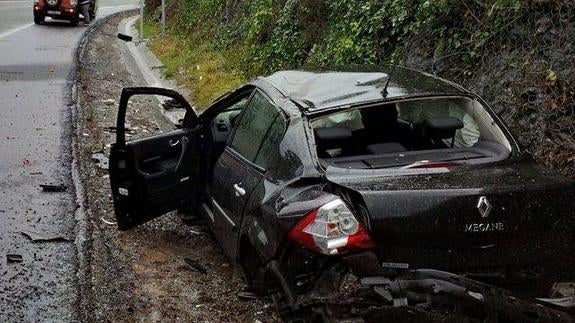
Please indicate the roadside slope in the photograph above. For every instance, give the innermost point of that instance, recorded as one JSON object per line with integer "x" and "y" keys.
{"x": 143, "y": 274}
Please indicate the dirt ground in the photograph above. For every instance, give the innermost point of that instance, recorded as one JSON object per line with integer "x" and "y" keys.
{"x": 142, "y": 274}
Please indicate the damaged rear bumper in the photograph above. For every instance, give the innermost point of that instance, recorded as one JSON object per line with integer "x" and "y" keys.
{"x": 436, "y": 291}
{"x": 432, "y": 295}
{"x": 459, "y": 297}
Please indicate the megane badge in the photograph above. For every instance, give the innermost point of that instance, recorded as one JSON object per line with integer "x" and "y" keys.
{"x": 484, "y": 206}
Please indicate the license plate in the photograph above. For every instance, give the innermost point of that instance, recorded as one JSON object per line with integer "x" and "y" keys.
{"x": 54, "y": 12}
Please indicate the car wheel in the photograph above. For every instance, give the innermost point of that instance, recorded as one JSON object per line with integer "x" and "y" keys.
{"x": 39, "y": 18}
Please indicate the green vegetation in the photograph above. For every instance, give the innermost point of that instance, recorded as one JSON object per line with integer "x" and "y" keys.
{"x": 210, "y": 39}
{"x": 206, "y": 73}
{"x": 150, "y": 28}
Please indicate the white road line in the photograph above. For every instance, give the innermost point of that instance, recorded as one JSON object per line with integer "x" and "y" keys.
{"x": 15, "y": 30}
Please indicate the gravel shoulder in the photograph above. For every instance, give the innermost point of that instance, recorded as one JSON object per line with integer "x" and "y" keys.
{"x": 142, "y": 274}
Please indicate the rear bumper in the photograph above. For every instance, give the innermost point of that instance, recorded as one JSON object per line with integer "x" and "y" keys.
{"x": 526, "y": 267}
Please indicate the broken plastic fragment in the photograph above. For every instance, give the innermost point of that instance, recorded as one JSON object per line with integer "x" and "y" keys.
{"x": 11, "y": 258}
{"x": 109, "y": 101}
{"x": 100, "y": 159}
{"x": 53, "y": 188}
{"x": 113, "y": 129}
{"x": 196, "y": 265}
{"x": 107, "y": 222}
{"x": 124, "y": 37}
{"x": 38, "y": 237}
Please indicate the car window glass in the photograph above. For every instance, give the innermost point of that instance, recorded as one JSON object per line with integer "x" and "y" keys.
{"x": 269, "y": 151}
{"x": 252, "y": 128}
{"x": 418, "y": 111}
{"x": 230, "y": 114}
{"x": 347, "y": 119}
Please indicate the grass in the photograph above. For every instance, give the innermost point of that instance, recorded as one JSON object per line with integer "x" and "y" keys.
{"x": 207, "y": 73}
{"x": 150, "y": 29}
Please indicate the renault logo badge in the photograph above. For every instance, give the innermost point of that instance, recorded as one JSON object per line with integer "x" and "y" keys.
{"x": 484, "y": 206}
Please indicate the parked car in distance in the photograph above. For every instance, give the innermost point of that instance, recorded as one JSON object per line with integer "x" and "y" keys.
{"x": 61, "y": 10}
{"x": 385, "y": 173}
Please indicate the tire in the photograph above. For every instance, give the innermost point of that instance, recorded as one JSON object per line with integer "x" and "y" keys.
{"x": 39, "y": 18}
{"x": 252, "y": 268}
{"x": 75, "y": 21}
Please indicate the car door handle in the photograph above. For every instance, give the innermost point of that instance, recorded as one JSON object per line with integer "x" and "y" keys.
{"x": 239, "y": 190}
{"x": 184, "y": 142}
{"x": 174, "y": 142}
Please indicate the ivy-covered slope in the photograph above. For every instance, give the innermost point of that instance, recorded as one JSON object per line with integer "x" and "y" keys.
{"x": 518, "y": 54}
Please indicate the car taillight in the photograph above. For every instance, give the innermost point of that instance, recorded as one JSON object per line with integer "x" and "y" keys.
{"x": 331, "y": 229}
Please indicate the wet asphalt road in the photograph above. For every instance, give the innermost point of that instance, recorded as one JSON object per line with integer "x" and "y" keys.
{"x": 35, "y": 64}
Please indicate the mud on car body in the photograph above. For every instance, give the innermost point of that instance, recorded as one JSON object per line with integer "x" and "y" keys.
{"x": 383, "y": 173}
{"x": 61, "y": 10}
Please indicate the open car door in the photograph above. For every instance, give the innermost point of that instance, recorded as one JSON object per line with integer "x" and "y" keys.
{"x": 157, "y": 174}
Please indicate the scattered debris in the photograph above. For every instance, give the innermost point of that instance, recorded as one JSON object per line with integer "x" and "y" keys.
{"x": 196, "y": 265}
{"x": 109, "y": 102}
{"x": 100, "y": 159}
{"x": 38, "y": 237}
{"x": 26, "y": 162}
{"x": 53, "y": 188}
{"x": 171, "y": 104}
{"x": 114, "y": 128}
{"x": 248, "y": 294}
{"x": 12, "y": 258}
{"x": 124, "y": 37}
{"x": 107, "y": 222}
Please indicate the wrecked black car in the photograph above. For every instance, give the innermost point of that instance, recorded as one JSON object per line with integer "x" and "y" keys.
{"x": 306, "y": 176}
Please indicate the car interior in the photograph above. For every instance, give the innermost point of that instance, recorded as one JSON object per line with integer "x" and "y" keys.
{"x": 222, "y": 124}
{"x": 416, "y": 133}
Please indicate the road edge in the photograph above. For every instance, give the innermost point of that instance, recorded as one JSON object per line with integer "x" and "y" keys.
{"x": 149, "y": 66}
{"x": 83, "y": 225}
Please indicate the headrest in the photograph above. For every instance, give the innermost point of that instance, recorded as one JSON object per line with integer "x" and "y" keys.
{"x": 332, "y": 134}
{"x": 441, "y": 127}
{"x": 234, "y": 118}
{"x": 379, "y": 116}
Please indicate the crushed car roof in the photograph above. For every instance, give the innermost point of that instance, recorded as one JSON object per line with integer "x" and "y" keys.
{"x": 319, "y": 90}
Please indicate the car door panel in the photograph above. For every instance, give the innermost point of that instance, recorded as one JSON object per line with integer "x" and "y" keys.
{"x": 236, "y": 174}
{"x": 153, "y": 175}
{"x": 230, "y": 173}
